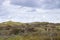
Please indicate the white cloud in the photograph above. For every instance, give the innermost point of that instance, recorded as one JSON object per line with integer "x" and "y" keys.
{"x": 27, "y": 14}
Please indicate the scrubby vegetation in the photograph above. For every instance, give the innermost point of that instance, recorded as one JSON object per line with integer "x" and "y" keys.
{"x": 29, "y": 31}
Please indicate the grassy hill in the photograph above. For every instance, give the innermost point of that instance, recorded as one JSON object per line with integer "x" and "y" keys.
{"x": 29, "y": 31}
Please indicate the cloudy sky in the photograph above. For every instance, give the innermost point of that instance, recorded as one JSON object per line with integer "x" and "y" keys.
{"x": 30, "y": 10}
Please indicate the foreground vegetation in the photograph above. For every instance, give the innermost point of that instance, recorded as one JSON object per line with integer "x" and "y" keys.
{"x": 29, "y": 31}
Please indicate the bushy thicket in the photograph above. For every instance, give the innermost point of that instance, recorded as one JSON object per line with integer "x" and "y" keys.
{"x": 29, "y": 31}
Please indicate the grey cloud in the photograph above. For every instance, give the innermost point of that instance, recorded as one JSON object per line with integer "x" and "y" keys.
{"x": 49, "y": 4}
{"x": 1, "y": 1}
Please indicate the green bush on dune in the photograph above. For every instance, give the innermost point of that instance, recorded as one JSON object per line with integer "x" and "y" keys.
{"x": 29, "y": 31}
